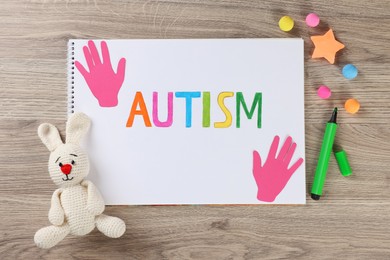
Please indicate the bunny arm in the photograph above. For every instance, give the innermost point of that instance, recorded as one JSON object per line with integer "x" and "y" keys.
{"x": 56, "y": 212}
{"x": 95, "y": 202}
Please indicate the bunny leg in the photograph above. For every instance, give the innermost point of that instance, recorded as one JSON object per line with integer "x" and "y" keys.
{"x": 110, "y": 226}
{"x": 50, "y": 236}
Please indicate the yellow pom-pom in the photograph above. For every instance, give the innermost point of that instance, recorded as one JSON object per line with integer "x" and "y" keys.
{"x": 286, "y": 23}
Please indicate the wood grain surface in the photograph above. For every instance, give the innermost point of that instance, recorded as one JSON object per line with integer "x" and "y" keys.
{"x": 351, "y": 221}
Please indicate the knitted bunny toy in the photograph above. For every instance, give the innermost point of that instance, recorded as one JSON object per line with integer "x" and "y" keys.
{"x": 76, "y": 206}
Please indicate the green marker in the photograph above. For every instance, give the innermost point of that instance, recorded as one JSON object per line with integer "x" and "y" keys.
{"x": 323, "y": 160}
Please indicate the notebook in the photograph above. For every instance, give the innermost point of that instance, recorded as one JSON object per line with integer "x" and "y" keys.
{"x": 192, "y": 121}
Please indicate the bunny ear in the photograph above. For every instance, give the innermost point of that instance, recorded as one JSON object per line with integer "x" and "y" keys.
{"x": 50, "y": 136}
{"x": 77, "y": 126}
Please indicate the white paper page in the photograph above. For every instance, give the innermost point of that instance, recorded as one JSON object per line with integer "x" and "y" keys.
{"x": 141, "y": 165}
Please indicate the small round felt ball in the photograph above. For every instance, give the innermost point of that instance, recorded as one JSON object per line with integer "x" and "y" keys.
{"x": 324, "y": 92}
{"x": 349, "y": 71}
{"x": 352, "y": 106}
{"x": 312, "y": 20}
{"x": 286, "y": 23}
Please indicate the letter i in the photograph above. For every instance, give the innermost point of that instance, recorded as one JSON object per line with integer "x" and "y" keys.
{"x": 206, "y": 109}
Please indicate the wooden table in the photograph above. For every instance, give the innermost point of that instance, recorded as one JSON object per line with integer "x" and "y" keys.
{"x": 351, "y": 221}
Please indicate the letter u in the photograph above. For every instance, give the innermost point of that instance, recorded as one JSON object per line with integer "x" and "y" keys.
{"x": 169, "y": 120}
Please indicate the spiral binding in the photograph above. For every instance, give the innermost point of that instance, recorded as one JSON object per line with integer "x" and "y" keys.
{"x": 71, "y": 90}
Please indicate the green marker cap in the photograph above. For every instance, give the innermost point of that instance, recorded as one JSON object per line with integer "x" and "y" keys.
{"x": 342, "y": 161}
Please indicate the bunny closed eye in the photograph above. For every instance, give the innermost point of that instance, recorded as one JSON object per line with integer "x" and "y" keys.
{"x": 68, "y": 165}
{"x": 66, "y": 168}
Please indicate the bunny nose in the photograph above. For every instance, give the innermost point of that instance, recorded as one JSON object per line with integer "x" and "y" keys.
{"x": 66, "y": 168}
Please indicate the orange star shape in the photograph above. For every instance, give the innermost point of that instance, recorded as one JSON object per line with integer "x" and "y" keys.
{"x": 326, "y": 46}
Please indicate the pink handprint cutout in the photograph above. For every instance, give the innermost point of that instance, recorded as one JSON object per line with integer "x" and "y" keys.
{"x": 272, "y": 177}
{"x": 103, "y": 82}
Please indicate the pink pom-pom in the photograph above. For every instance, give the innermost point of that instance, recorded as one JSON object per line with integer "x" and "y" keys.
{"x": 312, "y": 20}
{"x": 324, "y": 92}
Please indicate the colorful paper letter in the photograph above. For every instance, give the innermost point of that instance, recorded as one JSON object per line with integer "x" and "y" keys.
{"x": 188, "y": 96}
{"x": 138, "y": 101}
{"x": 169, "y": 120}
{"x": 206, "y": 109}
{"x": 225, "y": 110}
{"x": 257, "y": 101}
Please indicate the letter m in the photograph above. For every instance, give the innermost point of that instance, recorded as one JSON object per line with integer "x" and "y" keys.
{"x": 257, "y": 102}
